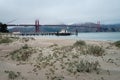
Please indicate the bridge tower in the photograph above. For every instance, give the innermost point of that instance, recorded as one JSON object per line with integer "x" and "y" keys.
{"x": 98, "y": 26}
{"x": 37, "y": 26}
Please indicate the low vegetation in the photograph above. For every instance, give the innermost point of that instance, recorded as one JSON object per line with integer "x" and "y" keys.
{"x": 68, "y": 59}
{"x": 79, "y": 43}
{"x": 94, "y": 50}
{"x": 54, "y": 59}
{"x": 5, "y": 40}
{"x": 54, "y": 45}
{"x": 85, "y": 49}
{"x": 117, "y": 44}
{"x": 57, "y": 78}
{"x": 82, "y": 66}
{"x": 23, "y": 53}
{"x": 27, "y": 39}
{"x": 13, "y": 75}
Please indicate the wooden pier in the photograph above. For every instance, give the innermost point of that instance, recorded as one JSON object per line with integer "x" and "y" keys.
{"x": 44, "y": 33}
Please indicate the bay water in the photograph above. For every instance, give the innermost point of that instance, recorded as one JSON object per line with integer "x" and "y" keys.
{"x": 102, "y": 36}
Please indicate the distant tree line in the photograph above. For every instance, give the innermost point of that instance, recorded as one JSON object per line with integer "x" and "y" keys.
{"x": 3, "y": 28}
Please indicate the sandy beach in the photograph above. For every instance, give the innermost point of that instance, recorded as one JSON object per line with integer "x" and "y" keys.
{"x": 58, "y": 59}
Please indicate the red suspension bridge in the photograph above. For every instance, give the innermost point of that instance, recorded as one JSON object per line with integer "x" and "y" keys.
{"x": 37, "y": 25}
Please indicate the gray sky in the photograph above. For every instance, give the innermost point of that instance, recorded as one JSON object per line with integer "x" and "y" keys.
{"x": 60, "y": 11}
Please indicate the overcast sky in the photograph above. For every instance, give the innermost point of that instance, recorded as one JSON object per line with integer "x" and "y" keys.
{"x": 60, "y": 11}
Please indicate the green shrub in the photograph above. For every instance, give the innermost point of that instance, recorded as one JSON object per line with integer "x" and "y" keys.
{"x": 53, "y": 45}
{"x": 57, "y": 78}
{"x": 82, "y": 66}
{"x": 5, "y": 40}
{"x": 22, "y": 54}
{"x": 117, "y": 44}
{"x": 25, "y": 39}
{"x": 79, "y": 43}
{"x": 25, "y": 46}
{"x": 15, "y": 38}
{"x": 94, "y": 50}
{"x": 12, "y": 75}
{"x": 85, "y": 66}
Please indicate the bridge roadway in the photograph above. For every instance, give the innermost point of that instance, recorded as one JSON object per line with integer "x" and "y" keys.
{"x": 27, "y": 25}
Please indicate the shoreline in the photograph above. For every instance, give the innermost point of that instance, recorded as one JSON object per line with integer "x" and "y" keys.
{"x": 111, "y": 36}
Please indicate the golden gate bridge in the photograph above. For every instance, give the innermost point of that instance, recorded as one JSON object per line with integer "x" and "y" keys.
{"x": 38, "y": 25}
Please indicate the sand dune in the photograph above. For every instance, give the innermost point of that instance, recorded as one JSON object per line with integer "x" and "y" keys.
{"x": 31, "y": 70}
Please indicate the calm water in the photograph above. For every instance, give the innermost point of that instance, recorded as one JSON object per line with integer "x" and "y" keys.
{"x": 106, "y": 36}
{"x": 112, "y": 36}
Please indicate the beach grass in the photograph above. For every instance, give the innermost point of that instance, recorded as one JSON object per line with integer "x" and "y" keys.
{"x": 12, "y": 75}
{"x": 5, "y": 40}
{"x": 22, "y": 54}
{"x": 117, "y": 44}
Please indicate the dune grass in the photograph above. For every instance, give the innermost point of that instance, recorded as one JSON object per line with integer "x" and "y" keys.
{"x": 79, "y": 43}
{"x": 94, "y": 50}
{"x": 22, "y": 54}
{"x": 68, "y": 60}
{"x": 85, "y": 49}
{"x": 13, "y": 75}
{"x": 5, "y": 40}
{"x": 117, "y": 44}
{"x": 82, "y": 66}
